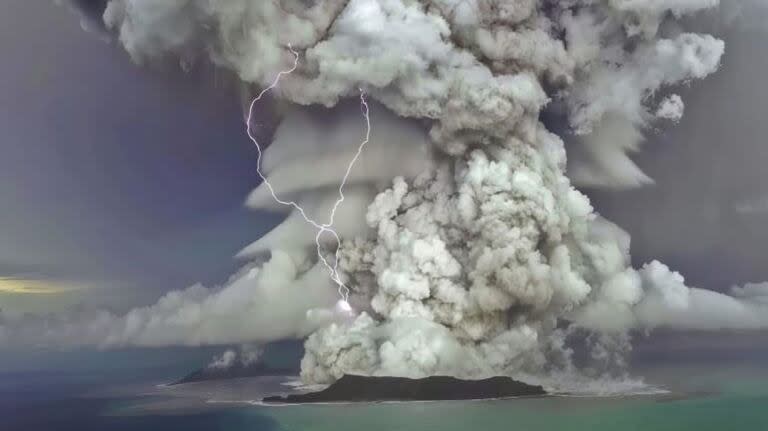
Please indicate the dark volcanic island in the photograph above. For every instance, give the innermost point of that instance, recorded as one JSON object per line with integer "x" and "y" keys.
{"x": 351, "y": 388}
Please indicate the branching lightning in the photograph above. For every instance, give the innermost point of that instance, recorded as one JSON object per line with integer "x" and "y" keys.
{"x": 321, "y": 227}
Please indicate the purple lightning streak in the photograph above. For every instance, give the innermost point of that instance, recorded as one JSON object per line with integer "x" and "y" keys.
{"x": 321, "y": 228}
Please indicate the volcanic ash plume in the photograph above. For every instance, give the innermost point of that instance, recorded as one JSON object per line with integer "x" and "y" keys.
{"x": 485, "y": 258}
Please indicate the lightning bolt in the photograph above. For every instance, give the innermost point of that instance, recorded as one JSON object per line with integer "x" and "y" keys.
{"x": 322, "y": 228}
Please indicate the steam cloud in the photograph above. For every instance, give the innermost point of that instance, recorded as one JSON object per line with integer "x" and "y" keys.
{"x": 470, "y": 256}
{"x": 246, "y": 356}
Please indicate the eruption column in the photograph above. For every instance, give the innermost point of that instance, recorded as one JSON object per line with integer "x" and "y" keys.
{"x": 321, "y": 228}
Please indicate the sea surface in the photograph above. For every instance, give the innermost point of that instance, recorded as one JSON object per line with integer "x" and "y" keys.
{"x": 705, "y": 397}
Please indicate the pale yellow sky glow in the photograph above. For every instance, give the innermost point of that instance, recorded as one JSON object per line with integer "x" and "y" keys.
{"x": 23, "y": 286}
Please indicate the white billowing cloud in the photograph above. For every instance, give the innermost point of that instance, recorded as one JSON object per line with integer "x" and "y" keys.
{"x": 224, "y": 361}
{"x": 276, "y": 300}
{"x": 246, "y": 355}
{"x": 263, "y": 304}
{"x": 670, "y": 303}
{"x": 623, "y": 90}
{"x": 250, "y": 354}
{"x": 614, "y": 87}
{"x": 671, "y": 108}
{"x": 618, "y": 85}
{"x": 468, "y": 265}
{"x": 657, "y": 297}
{"x": 468, "y": 64}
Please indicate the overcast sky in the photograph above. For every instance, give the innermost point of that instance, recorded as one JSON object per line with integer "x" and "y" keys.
{"x": 130, "y": 180}
{"x": 707, "y": 214}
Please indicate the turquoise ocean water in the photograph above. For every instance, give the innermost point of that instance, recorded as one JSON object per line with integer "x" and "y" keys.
{"x": 719, "y": 400}
{"x": 702, "y": 398}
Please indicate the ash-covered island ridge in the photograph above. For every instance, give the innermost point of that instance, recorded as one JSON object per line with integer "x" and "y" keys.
{"x": 353, "y": 388}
